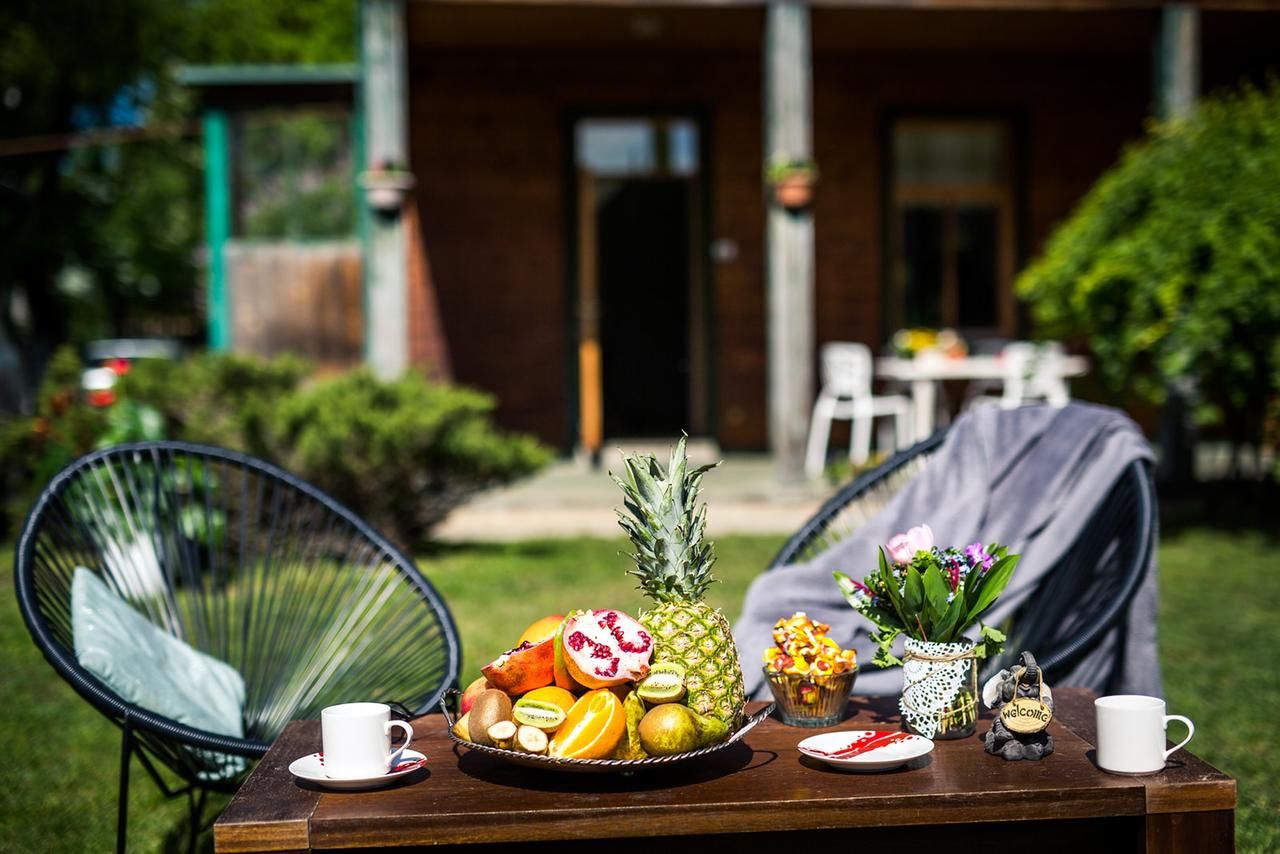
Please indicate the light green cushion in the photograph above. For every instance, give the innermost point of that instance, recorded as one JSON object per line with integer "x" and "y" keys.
{"x": 148, "y": 667}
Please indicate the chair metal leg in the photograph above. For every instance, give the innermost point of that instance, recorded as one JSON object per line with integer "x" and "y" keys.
{"x": 195, "y": 816}
{"x": 122, "y": 805}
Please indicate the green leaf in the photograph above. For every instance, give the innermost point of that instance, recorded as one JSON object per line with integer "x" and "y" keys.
{"x": 991, "y": 586}
{"x": 913, "y": 597}
{"x": 990, "y": 642}
{"x": 950, "y": 626}
{"x": 936, "y": 591}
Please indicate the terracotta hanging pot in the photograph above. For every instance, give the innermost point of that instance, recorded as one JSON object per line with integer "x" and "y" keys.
{"x": 794, "y": 192}
{"x": 385, "y": 189}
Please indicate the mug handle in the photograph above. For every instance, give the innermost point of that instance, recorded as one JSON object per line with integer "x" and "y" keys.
{"x": 1191, "y": 730}
{"x": 393, "y": 758}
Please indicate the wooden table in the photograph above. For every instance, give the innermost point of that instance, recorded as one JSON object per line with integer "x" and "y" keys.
{"x": 923, "y": 373}
{"x": 758, "y": 795}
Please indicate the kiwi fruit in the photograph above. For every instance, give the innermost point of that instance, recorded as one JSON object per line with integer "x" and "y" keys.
{"x": 489, "y": 708}
{"x": 664, "y": 684}
{"x": 536, "y": 713}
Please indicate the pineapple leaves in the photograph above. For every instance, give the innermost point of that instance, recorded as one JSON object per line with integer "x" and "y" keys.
{"x": 667, "y": 525}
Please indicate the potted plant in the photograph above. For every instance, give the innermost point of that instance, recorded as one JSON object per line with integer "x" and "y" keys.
{"x": 933, "y": 596}
{"x": 792, "y": 181}
{"x": 385, "y": 186}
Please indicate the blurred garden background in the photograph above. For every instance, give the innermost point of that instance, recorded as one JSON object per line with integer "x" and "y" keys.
{"x": 1152, "y": 247}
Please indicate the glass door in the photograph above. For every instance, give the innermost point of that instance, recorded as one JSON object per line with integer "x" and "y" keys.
{"x": 641, "y": 310}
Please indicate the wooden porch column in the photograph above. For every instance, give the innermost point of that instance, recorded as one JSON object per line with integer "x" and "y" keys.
{"x": 1179, "y": 60}
{"x": 384, "y": 98}
{"x": 788, "y": 134}
{"x": 1177, "y": 88}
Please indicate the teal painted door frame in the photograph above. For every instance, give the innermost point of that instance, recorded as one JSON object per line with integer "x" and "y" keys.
{"x": 217, "y": 223}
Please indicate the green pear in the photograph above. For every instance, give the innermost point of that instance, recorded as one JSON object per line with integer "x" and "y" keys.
{"x": 668, "y": 729}
{"x": 673, "y": 728}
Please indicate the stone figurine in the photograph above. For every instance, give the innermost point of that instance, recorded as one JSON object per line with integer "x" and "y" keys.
{"x": 1023, "y": 681}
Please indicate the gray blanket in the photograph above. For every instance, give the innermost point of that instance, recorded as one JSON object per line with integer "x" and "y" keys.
{"x": 1028, "y": 478}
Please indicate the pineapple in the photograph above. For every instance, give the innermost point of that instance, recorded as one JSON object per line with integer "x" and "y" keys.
{"x": 673, "y": 562}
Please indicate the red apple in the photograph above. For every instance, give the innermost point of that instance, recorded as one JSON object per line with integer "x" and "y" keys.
{"x": 475, "y": 689}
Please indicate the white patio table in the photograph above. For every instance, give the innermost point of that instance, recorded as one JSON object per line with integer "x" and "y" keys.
{"x": 923, "y": 373}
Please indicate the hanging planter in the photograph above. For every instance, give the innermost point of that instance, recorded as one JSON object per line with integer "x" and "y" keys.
{"x": 791, "y": 182}
{"x": 385, "y": 187}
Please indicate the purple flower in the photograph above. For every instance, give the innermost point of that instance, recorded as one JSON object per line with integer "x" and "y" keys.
{"x": 977, "y": 556}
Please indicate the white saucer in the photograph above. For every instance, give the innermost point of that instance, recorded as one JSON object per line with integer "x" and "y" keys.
{"x": 311, "y": 769}
{"x": 878, "y": 759}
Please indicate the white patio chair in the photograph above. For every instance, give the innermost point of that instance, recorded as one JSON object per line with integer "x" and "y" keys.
{"x": 1033, "y": 374}
{"x": 846, "y": 394}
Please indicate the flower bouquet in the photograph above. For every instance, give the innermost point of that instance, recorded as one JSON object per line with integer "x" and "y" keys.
{"x": 933, "y": 596}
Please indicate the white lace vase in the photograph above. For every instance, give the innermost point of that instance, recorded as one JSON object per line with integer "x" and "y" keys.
{"x": 939, "y": 689}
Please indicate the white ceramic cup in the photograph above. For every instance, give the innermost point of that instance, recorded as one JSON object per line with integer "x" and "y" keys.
{"x": 1131, "y": 734}
{"x": 356, "y": 740}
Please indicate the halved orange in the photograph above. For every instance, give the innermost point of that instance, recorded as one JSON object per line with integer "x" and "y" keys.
{"x": 592, "y": 729}
{"x": 553, "y": 694}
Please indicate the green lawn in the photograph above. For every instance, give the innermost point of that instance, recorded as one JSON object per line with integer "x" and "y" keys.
{"x": 1219, "y": 640}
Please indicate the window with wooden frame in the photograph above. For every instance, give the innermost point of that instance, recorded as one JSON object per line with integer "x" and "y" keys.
{"x": 951, "y": 225}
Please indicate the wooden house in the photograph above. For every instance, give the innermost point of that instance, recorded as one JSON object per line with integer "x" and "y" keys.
{"x": 589, "y": 236}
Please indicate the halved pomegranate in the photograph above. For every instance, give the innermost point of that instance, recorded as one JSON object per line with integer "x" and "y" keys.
{"x": 605, "y": 648}
{"x": 519, "y": 670}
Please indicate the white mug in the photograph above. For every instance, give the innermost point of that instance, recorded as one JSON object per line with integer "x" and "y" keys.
{"x": 1131, "y": 734}
{"x": 356, "y": 740}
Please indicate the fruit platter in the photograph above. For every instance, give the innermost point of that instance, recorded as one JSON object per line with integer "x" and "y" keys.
{"x": 598, "y": 690}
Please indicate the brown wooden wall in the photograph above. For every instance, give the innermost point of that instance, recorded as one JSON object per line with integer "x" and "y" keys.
{"x": 489, "y": 147}
{"x": 297, "y": 298}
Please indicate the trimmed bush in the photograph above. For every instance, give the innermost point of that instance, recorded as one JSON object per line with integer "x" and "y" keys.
{"x": 1170, "y": 266}
{"x": 401, "y": 454}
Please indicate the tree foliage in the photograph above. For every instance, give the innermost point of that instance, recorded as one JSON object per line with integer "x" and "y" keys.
{"x": 99, "y": 237}
{"x": 1170, "y": 266}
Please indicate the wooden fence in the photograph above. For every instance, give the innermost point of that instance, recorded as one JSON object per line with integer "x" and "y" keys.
{"x": 297, "y": 298}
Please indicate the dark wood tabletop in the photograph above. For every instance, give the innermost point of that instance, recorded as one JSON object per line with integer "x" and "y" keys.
{"x": 760, "y": 794}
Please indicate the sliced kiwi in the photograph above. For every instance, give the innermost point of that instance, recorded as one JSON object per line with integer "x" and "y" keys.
{"x": 537, "y": 713}
{"x": 664, "y": 684}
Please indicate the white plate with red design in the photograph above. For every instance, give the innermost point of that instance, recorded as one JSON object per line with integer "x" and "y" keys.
{"x": 865, "y": 750}
{"x": 311, "y": 769}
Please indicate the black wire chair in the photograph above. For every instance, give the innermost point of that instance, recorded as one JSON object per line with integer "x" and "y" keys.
{"x": 248, "y": 564}
{"x": 1081, "y": 600}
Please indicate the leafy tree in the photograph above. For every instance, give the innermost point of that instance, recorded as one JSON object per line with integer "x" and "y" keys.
{"x": 98, "y": 237}
{"x": 1170, "y": 266}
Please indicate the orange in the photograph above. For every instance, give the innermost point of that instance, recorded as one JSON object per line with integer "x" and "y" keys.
{"x": 592, "y": 729}
{"x": 552, "y": 694}
{"x": 541, "y": 630}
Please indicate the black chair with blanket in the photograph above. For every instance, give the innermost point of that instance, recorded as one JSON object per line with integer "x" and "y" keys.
{"x": 202, "y": 599}
{"x": 1087, "y": 612}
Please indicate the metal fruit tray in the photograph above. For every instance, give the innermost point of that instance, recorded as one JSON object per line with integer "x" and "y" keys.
{"x": 602, "y": 766}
